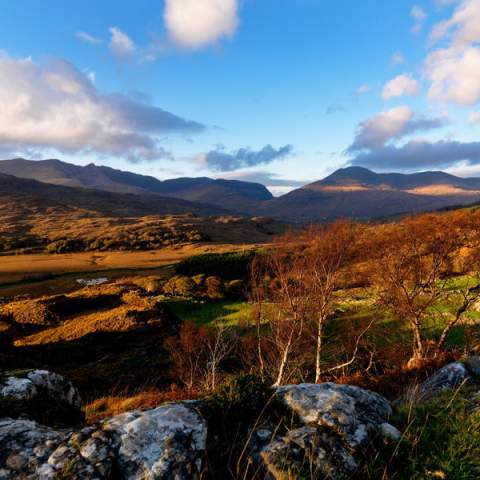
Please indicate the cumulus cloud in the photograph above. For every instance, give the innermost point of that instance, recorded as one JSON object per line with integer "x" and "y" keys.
{"x": 56, "y": 106}
{"x": 87, "y": 38}
{"x": 454, "y": 75}
{"x": 454, "y": 70}
{"x": 222, "y": 161}
{"x": 391, "y": 125}
{"x": 420, "y": 154}
{"x": 120, "y": 43}
{"x": 401, "y": 85}
{"x": 195, "y": 24}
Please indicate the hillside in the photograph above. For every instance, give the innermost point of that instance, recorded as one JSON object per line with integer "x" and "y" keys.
{"x": 360, "y": 193}
{"x": 230, "y": 194}
{"x": 35, "y": 216}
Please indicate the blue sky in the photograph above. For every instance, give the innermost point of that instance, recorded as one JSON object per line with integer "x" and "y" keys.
{"x": 281, "y": 91}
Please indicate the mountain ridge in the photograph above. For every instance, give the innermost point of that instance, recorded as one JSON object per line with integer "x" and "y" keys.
{"x": 229, "y": 194}
{"x": 354, "y": 192}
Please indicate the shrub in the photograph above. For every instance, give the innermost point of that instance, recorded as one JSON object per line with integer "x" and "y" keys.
{"x": 214, "y": 287}
{"x": 180, "y": 286}
{"x": 229, "y": 266}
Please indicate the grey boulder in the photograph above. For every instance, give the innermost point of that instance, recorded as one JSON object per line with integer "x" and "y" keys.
{"x": 33, "y": 451}
{"x": 316, "y": 452}
{"x": 167, "y": 442}
{"x": 354, "y": 413}
{"x": 450, "y": 377}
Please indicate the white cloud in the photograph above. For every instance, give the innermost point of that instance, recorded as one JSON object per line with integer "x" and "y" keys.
{"x": 474, "y": 118}
{"x": 363, "y": 89}
{"x": 397, "y": 58}
{"x": 454, "y": 75}
{"x": 463, "y": 27}
{"x": 56, "y": 106}
{"x": 195, "y": 24}
{"x": 120, "y": 43}
{"x": 454, "y": 70}
{"x": 401, "y": 85}
{"x": 419, "y": 16}
{"x": 418, "y": 13}
{"x": 390, "y": 125}
{"x": 87, "y": 38}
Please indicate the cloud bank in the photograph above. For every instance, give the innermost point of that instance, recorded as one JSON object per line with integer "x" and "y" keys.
{"x": 56, "y": 106}
{"x": 420, "y": 155}
{"x": 389, "y": 125}
{"x": 221, "y": 161}
{"x": 193, "y": 24}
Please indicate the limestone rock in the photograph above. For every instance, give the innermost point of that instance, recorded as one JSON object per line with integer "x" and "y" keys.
{"x": 30, "y": 383}
{"x": 167, "y": 442}
{"x": 33, "y": 451}
{"x": 353, "y": 412}
{"x": 308, "y": 452}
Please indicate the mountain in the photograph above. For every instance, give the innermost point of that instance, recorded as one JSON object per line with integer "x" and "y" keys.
{"x": 230, "y": 194}
{"x": 20, "y": 194}
{"x": 357, "y": 192}
{"x": 400, "y": 181}
{"x": 354, "y": 192}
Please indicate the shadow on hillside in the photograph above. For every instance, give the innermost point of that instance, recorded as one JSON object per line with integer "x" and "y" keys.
{"x": 101, "y": 363}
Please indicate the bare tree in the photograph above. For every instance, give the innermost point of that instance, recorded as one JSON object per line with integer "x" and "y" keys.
{"x": 412, "y": 274}
{"x": 219, "y": 345}
{"x": 293, "y": 286}
{"x": 328, "y": 251}
{"x": 284, "y": 299}
{"x": 188, "y": 354}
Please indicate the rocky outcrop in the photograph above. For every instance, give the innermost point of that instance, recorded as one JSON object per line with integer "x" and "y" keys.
{"x": 336, "y": 421}
{"x": 32, "y": 451}
{"x": 317, "y": 450}
{"x": 165, "y": 443}
{"x": 356, "y": 414}
{"x": 28, "y": 384}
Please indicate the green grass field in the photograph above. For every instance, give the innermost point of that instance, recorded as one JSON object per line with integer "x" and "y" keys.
{"x": 203, "y": 313}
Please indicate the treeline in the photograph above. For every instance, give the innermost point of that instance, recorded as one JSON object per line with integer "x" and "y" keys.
{"x": 143, "y": 238}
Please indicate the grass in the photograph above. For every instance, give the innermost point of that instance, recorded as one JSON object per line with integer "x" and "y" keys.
{"x": 441, "y": 439}
{"x": 205, "y": 313}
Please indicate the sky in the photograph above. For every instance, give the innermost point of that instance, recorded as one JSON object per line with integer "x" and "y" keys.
{"x": 277, "y": 91}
